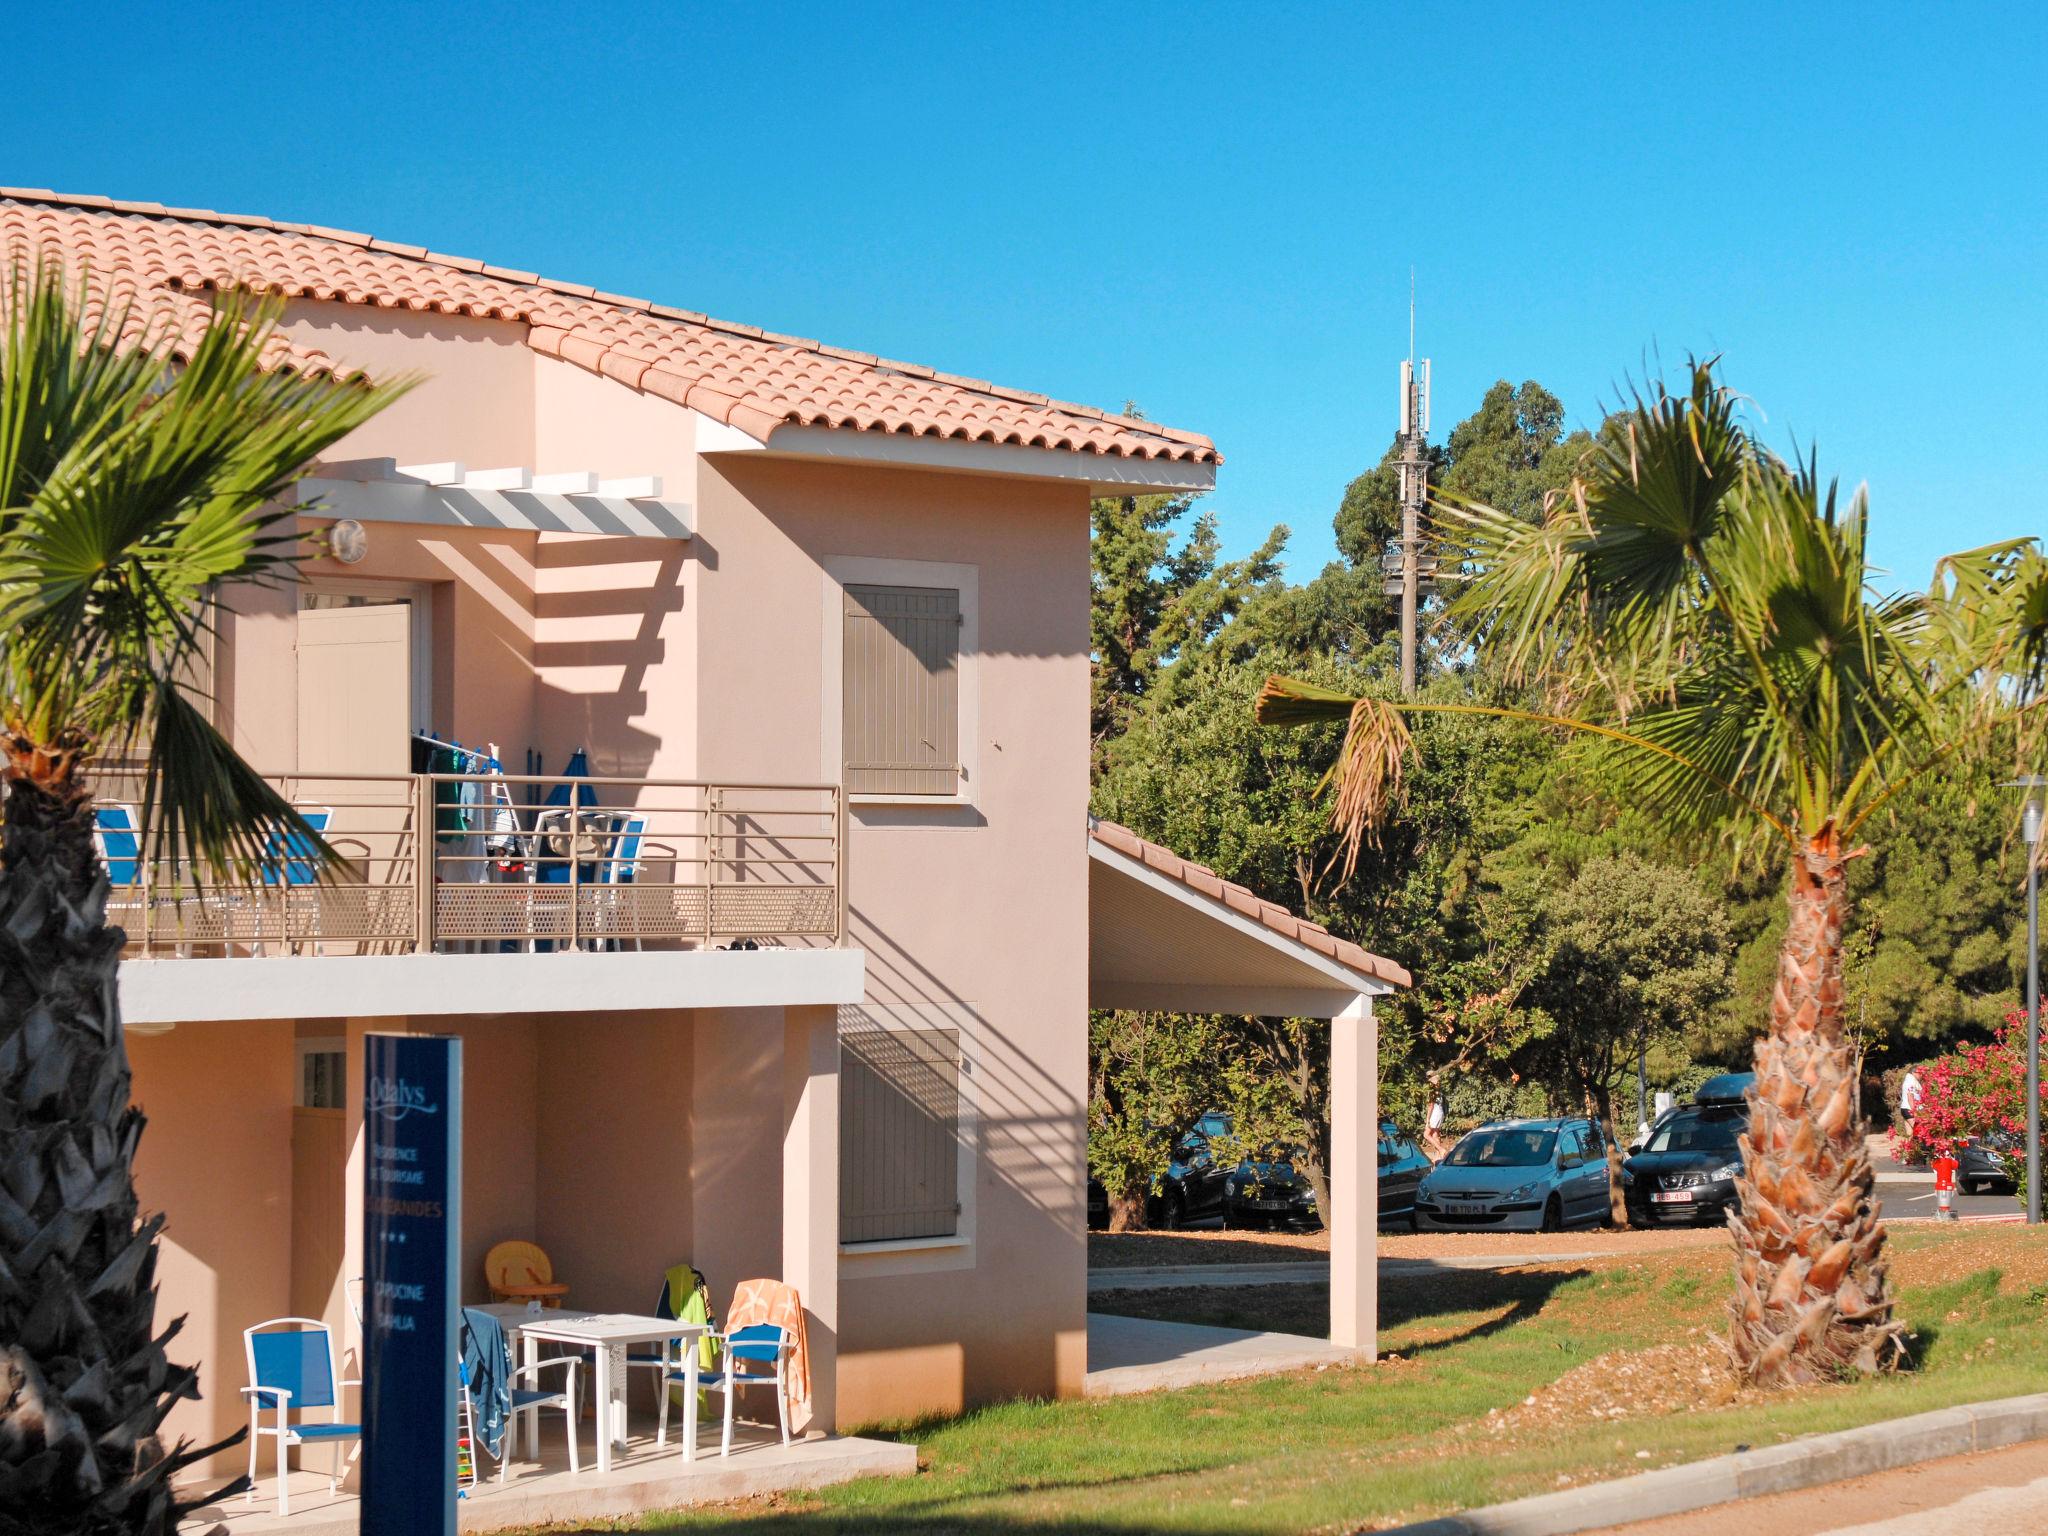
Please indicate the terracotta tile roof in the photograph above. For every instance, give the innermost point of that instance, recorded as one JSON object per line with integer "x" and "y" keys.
{"x": 171, "y": 260}
{"x": 1206, "y": 882}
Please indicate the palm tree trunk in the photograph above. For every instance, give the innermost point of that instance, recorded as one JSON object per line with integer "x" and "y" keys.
{"x": 84, "y": 1381}
{"x": 1812, "y": 1299}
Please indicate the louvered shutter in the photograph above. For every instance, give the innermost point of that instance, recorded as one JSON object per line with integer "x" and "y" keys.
{"x": 901, "y": 730}
{"x": 899, "y": 1134}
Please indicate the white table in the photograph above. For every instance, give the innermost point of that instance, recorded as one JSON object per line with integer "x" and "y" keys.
{"x": 608, "y": 1335}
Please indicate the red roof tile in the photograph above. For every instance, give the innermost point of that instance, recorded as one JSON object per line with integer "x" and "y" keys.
{"x": 1206, "y": 882}
{"x": 170, "y": 261}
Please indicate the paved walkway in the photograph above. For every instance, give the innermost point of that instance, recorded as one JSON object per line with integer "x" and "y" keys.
{"x": 1136, "y": 1354}
{"x": 1159, "y": 1277}
{"x": 547, "y": 1493}
{"x": 1994, "y": 1493}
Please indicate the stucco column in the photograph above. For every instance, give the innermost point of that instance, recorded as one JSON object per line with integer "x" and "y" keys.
{"x": 339, "y": 1313}
{"x": 1354, "y": 1179}
{"x": 810, "y": 1190}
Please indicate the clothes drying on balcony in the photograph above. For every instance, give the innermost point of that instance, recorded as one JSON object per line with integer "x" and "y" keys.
{"x": 470, "y": 813}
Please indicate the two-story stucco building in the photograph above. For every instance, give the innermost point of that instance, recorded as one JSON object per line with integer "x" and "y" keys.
{"x": 794, "y": 980}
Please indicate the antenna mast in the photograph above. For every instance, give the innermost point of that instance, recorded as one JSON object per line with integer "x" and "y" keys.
{"x": 1408, "y": 570}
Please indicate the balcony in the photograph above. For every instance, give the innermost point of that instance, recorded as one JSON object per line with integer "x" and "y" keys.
{"x": 511, "y": 865}
{"x": 472, "y": 879}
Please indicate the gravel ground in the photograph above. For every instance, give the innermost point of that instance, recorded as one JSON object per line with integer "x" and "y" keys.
{"x": 1124, "y": 1250}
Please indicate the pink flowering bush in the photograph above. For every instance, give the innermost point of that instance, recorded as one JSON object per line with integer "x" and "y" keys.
{"x": 1970, "y": 1092}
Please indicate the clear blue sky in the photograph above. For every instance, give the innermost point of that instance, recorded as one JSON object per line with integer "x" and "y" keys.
{"x": 1210, "y": 210}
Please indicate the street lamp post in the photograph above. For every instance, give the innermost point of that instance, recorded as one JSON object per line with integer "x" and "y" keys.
{"x": 2030, "y": 830}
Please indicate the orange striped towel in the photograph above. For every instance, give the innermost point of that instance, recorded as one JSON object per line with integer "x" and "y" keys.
{"x": 771, "y": 1301}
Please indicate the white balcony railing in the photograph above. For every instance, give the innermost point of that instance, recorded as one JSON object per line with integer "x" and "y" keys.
{"x": 511, "y": 862}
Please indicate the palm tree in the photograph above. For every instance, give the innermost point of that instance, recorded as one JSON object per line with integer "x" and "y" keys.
{"x": 1704, "y": 613}
{"x": 136, "y": 476}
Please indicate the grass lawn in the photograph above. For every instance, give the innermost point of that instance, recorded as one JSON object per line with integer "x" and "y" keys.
{"x": 1448, "y": 1423}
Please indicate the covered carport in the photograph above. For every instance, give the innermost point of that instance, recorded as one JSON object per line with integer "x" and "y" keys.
{"x": 1167, "y": 935}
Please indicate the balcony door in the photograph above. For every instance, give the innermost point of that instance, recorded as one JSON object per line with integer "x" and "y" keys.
{"x": 360, "y": 687}
{"x": 356, "y": 678}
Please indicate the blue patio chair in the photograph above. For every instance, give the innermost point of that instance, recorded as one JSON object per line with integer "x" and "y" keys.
{"x": 510, "y": 1402}
{"x": 660, "y": 1359}
{"x": 293, "y": 858}
{"x": 291, "y": 1370}
{"x": 765, "y": 1348}
{"x": 119, "y": 841}
{"x": 622, "y": 866}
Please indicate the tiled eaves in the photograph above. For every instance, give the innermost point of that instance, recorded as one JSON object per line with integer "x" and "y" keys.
{"x": 752, "y": 379}
{"x": 1204, "y": 881}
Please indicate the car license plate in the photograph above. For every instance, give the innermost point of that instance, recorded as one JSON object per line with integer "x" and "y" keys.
{"x": 1464, "y": 1208}
{"x": 1672, "y": 1197}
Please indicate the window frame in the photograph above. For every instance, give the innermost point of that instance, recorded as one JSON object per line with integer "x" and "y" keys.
{"x": 920, "y": 1255}
{"x": 318, "y": 1045}
{"x": 843, "y": 571}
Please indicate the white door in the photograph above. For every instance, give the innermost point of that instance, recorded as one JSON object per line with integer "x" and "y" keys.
{"x": 356, "y": 717}
{"x": 355, "y": 688}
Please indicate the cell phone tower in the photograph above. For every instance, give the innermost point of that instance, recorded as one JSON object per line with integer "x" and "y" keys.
{"x": 1410, "y": 570}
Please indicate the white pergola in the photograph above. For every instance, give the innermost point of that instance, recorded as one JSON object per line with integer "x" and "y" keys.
{"x": 1168, "y": 936}
{"x": 455, "y": 496}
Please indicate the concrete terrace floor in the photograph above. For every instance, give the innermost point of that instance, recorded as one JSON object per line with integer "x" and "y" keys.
{"x": 642, "y": 1480}
{"x": 1137, "y": 1354}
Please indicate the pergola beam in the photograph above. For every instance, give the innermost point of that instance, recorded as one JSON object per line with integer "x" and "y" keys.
{"x": 450, "y": 494}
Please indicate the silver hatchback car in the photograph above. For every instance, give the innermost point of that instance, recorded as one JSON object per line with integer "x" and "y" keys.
{"x": 1518, "y": 1176}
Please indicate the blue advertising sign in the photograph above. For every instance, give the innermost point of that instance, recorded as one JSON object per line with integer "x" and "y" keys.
{"x": 412, "y": 1184}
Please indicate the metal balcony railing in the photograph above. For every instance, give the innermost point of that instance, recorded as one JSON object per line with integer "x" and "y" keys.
{"x": 597, "y": 863}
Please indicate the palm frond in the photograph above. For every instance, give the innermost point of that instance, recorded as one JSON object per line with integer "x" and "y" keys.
{"x": 205, "y": 811}
{"x": 1681, "y": 776}
{"x": 137, "y": 486}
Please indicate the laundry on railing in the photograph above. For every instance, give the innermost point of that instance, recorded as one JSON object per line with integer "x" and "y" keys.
{"x": 467, "y": 816}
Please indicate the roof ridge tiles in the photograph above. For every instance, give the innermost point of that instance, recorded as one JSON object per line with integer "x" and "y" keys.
{"x": 757, "y": 400}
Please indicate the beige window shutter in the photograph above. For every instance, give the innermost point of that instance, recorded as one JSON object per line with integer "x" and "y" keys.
{"x": 899, "y": 1134}
{"x": 901, "y": 731}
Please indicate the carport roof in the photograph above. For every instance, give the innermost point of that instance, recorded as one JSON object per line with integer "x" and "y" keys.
{"x": 1169, "y": 934}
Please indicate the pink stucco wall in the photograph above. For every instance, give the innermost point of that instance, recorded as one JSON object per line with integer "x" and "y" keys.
{"x": 978, "y": 912}
{"x": 216, "y": 1159}
{"x": 626, "y": 1142}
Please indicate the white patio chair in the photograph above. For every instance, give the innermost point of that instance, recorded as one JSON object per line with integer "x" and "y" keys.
{"x": 291, "y": 1369}
{"x": 757, "y": 1345}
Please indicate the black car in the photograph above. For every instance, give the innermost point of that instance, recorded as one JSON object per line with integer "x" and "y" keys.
{"x": 1267, "y": 1190}
{"x": 1685, "y": 1172}
{"x": 1989, "y": 1161}
{"x": 1402, "y": 1166}
{"x": 1191, "y": 1189}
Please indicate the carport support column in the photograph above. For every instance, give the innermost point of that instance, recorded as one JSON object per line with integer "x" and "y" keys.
{"x": 810, "y": 1190}
{"x": 1354, "y": 1179}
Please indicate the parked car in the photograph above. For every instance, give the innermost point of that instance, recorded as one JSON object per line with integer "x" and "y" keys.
{"x": 1686, "y": 1171}
{"x": 1266, "y": 1190}
{"x": 1192, "y": 1187}
{"x": 1990, "y": 1161}
{"x": 1402, "y": 1168}
{"x": 1098, "y": 1206}
{"x": 1519, "y": 1176}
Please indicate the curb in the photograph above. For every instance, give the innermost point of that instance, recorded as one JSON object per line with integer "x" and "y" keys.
{"x": 1806, "y": 1463}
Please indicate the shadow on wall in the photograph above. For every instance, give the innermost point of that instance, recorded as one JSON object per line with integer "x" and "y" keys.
{"x": 1029, "y": 1200}
{"x": 599, "y": 607}
{"x": 1027, "y": 1120}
